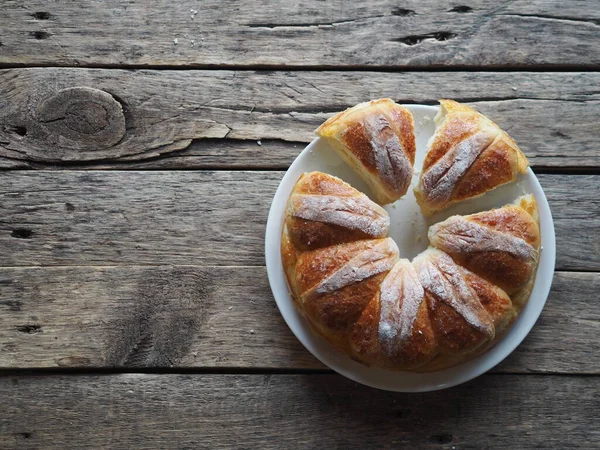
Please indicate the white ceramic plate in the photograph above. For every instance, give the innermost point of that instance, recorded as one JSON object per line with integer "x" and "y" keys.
{"x": 409, "y": 230}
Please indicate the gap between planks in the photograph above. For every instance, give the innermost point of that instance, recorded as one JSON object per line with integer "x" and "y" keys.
{"x": 86, "y": 371}
{"x": 128, "y": 167}
{"x": 440, "y": 68}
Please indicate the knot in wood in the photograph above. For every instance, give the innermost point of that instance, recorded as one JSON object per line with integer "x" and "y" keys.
{"x": 82, "y": 118}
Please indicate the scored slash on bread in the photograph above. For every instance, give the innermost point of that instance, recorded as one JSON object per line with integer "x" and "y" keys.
{"x": 467, "y": 156}
{"x": 377, "y": 140}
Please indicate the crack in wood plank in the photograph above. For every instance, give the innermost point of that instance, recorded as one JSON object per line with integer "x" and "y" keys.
{"x": 316, "y": 24}
{"x": 558, "y": 18}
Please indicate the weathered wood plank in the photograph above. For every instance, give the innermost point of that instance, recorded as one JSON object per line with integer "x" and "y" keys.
{"x": 294, "y": 411}
{"x": 202, "y": 218}
{"x": 178, "y": 119}
{"x": 276, "y": 33}
{"x": 223, "y": 317}
{"x": 144, "y": 317}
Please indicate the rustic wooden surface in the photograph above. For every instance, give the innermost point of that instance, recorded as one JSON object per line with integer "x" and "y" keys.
{"x": 214, "y": 119}
{"x": 415, "y": 33}
{"x": 292, "y": 411}
{"x": 141, "y": 144}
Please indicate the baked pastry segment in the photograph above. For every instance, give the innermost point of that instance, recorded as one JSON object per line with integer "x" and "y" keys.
{"x": 377, "y": 140}
{"x": 394, "y": 330}
{"x": 494, "y": 300}
{"x": 468, "y": 155}
{"x": 500, "y": 245}
{"x": 323, "y": 210}
{"x": 460, "y": 322}
{"x": 335, "y": 284}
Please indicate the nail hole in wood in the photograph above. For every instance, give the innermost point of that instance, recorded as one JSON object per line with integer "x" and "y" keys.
{"x": 39, "y": 35}
{"x": 443, "y": 35}
{"x": 25, "y": 435}
{"x": 29, "y": 329}
{"x": 402, "y": 12}
{"x": 560, "y": 134}
{"x": 462, "y": 9}
{"x": 21, "y": 233}
{"x": 69, "y": 207}
{"x": 21, "y": 131}
{"x": 410, "y": 40}
{"x": 442, "y": 438}
{"x": 403, "y": 413}
{"x": 418, "y": 38}
{"x": 41, "y": 15}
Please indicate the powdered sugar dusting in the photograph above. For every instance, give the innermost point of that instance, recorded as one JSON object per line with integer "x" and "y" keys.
{"x": 355, "y": 213}
{"x": 379, "y": 256}
{"x": 459, "y": 235}
{"x": 401, "y": 295}
{"x": 391, "y": 161}
{"x": 440, "y": 180}
{"x": 441, "y": 277}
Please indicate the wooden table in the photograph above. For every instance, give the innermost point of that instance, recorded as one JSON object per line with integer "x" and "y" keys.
{"x": 142, "y": 143}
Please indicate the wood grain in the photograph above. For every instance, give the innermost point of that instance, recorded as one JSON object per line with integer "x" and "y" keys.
{"x": 202, "y": 218}
{"x": 425, "y": 33}
{"x": 221, "y": 317}
{"x": 247, "y": 119}
{"x": 294, "y": 411}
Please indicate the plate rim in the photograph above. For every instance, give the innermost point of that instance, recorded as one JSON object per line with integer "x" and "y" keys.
{"x": 456, "y": 375}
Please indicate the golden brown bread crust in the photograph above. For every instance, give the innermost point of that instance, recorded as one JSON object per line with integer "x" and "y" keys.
{"x": 459, "y": 123}
{"x": 376, "y": 139}
{"x": 494, "y": 300}
{"x": 333, "y": 285}
{"x": 468, "y": 156}
{"x": 323, "y": 211}
{"x": 335, "y": 314}
{"x": 498, "y": 310}
{"x": 494, "y": 167}
{"x": 394, "y": 330}
{"x": 500, "y": 245}
{"x": 460, "y": 322}
{"x": 528, "y": 204}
